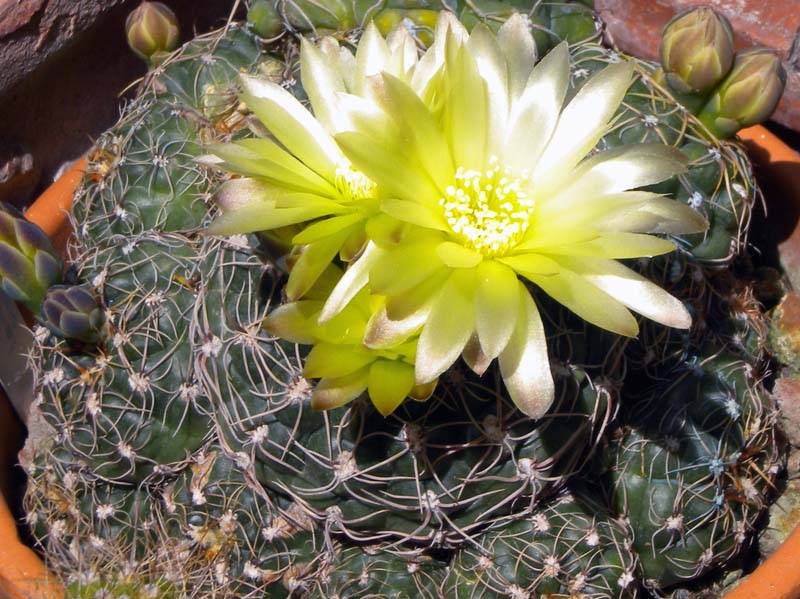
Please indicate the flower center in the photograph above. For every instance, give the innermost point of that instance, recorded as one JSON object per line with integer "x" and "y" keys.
{"x": 353, "y": 184}
{"x": 488, "y": 211}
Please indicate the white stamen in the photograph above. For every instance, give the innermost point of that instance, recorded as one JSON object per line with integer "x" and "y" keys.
{"x": 353, "y": 184}
{"x": 488, "y": 211}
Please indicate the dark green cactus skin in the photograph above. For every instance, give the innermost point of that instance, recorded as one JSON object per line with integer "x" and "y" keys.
{"x": 568, "y": 547}
{"x": 693, "y": 467}
{"x": 297, "y": 504}
{"x": 145, "y": 366}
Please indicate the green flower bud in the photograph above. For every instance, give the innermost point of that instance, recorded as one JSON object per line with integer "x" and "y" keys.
{"x": 696, "y": 51}
{"x": 748, "y": 95}
{"x": 73, "y": 312}
{"x": 28, "y": 262}
{"x": 263, "y": 17}
{"x": 152, "y": 30}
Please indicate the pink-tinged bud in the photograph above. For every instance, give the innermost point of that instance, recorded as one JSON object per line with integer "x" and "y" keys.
{"x": 29, "y": 264}
{"x": 696, "y": 51}
{"x": 748, "y": 95}
{"x": 152, "y": 30}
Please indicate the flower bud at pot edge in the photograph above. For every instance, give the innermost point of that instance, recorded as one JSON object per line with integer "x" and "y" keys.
{"x": 29, "y": 264}
{"x": 152, "y": 30}
{"x": 696, "y": 51}
{"x": 748, "y": 95}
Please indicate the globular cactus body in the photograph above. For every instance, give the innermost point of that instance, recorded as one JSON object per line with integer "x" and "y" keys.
{"x": 197, "y": 424}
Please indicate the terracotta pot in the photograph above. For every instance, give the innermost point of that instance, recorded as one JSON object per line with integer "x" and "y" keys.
{"x": 23, "y": 576}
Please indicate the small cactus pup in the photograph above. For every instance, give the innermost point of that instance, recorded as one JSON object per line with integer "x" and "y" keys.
{"x": 152, "y": 31}
{"x": 29, "y": 264}
{"x": 421, "y": 174}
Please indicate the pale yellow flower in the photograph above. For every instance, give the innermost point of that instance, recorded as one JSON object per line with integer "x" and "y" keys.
{"x": 495, "y": 178}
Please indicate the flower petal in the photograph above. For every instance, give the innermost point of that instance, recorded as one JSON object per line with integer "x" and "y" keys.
{"x": 449, "y": 327}
{"x": 382, "y": 161}
{"x": 262, "y": 217}
{"x": 466, "y": 111}
{"x": 517, "y": 45}
{"x": 474, "y": 357}
{"x": 620, "y": 169}
{"x": 324, "y": 228}
{"x": 335, "y": 360}
{"x": 534, "y": 114}
{"x": 235, "y": 193}
{"x": 419, "y": 128}
{"x": 580, "y": 209}
{"x": 496, "y": 306}
{"x": 264, "y": 159}
{"x": 587, "y": 301}
{"x": 456, "y": 255}
{"x": 383, "y": 333}
{"x": 632, "y": 290}
{"x": 372, "y": 56}
{"x": 543, "y": 236}
{"x": 321, "y": 81}
{"x": 524, "y": 363}
{"x": 404, "y": 53}
{"x": 332, "y": 393}
{"x": 581, "y": 124}
{"x": 418, "y": 298}
{"x": 293, "y": 321}
{"x": 615, "y": 245}
{"x": 530, "y": 265}
{"x": 399, "y": 270}
{"x": 414, "y": 213}
{"x": 292, "y": 125}
{"x": 389, "y": 383}
{"x": 491, "y": 64}
{"x": 316, "y": 257}
{"x": 662, "y": 215}
{"x": 354, "y": 280}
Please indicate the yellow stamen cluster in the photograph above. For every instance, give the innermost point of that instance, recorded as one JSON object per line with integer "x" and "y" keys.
{"x": 488, "y": 211}
{"x": 353, "y": 184}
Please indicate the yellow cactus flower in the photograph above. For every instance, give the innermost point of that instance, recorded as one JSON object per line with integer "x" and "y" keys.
{"x": 299, "y": 174}
{"x": 497, "y": 182}
{"x": 345, "y": 366}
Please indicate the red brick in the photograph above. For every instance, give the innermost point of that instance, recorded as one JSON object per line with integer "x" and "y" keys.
{"x": 787, "y": 394}
{"x": 15, "y": 14}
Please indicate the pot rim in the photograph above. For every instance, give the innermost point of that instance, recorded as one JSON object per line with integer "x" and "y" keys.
{"x": 22, "y": 572}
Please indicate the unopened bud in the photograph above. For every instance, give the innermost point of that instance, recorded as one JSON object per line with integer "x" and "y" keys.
{"x": 696, "y": 51}
{"x": 28, "y": 261}
{"x": 73, "y": 312}
{"x": 748, "y": 95}
{"x": 264, "y": 19}
{"x": 152, "y": 30}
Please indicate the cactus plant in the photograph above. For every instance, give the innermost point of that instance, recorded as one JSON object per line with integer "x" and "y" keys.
{"x": 183, "y": 438}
